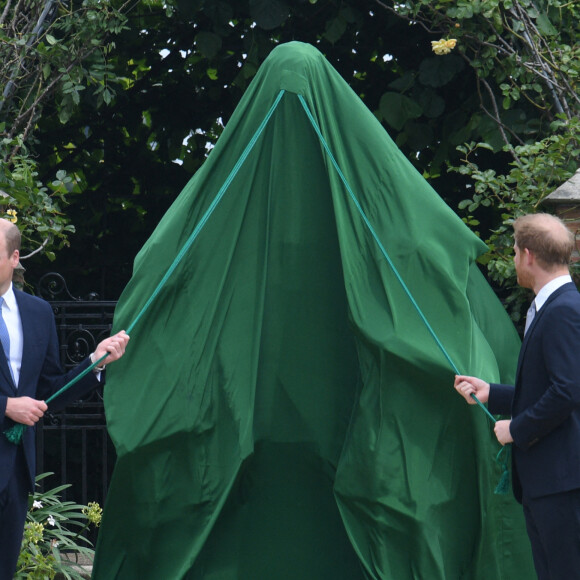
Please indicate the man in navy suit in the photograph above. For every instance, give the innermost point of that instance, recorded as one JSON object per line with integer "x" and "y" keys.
{"x": 544, "y": 404}
{"x": 30, "y": 372}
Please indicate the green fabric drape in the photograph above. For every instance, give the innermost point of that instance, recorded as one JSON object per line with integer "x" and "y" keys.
{"x": 282, "y": 411}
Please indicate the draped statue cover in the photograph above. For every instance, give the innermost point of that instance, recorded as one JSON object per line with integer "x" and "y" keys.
{"x": 285, "y": 409}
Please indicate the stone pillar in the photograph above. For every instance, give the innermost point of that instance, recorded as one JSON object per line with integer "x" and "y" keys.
{"x": 18, "y": 276}
{"x": 564, "y": 202}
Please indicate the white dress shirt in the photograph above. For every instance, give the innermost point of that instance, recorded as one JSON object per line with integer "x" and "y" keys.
{"x": 548, "y": 289}
{"x": 11, "y": 316}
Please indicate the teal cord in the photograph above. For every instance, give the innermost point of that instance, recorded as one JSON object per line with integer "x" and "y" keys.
{"x": 501, "y": 486}
{"x": 375, "y": 236}
{"x": 14, "y": 434}
{"x": 483, "y": 407}
{"x": 209, "y": 211}
{"x": 77, "y": 378}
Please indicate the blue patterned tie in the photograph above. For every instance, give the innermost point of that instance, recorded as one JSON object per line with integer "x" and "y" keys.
{"x": 4, "y": 336}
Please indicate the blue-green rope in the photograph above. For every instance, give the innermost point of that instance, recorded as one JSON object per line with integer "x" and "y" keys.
{"x": 210, "y": 210}
{"x": 374, "y": 234}
{"x": 392, "y": 265}
{"x": 14, "y": 434}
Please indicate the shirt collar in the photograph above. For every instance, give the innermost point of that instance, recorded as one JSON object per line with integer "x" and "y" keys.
{"x": 549, "y": 288}
{"x": 9, "y": 298}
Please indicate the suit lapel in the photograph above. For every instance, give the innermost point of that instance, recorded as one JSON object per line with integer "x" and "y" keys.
{"x": 6, "y": 379}
{"x": 565, "y": 288}
{"x": 28, "y": 328}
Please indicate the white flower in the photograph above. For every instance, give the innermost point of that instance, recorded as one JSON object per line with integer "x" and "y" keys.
{"x": 36, "y": 504}
{"x": 54, "y": 543}
{"x": 51, "y": 521}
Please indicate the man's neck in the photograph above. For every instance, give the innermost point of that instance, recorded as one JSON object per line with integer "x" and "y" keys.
{"x": 5, "y": 287}
{"x": 543, "y": 278}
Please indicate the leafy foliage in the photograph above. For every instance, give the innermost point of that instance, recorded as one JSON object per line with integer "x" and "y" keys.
{"x": 526, "y": 59}
{"x": 51, "y": 52}
{"x": 524, "y": 54}
{"x": 54, "y": 528}
{"x": 537, "y": 170}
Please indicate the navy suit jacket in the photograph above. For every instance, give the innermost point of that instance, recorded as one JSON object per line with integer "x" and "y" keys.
{"x": 41, "y": 375}
{"x": 545, "y": 401}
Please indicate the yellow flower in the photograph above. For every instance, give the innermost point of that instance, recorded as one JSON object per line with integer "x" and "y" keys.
{"x": 443, "y": 46}
{"x": 33, "y": 532}
{"x": 13, "y": 215}
{"x": 94, "y": 513}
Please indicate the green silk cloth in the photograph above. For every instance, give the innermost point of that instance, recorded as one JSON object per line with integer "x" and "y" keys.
{"x": 283, "y": 410}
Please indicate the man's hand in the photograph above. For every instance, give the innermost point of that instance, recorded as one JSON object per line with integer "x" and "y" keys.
{"x": 25, "y": 410}
{"x": 114, "y": 346}
{"x": 466, "y": 386}
{"x": 502, "y": 432}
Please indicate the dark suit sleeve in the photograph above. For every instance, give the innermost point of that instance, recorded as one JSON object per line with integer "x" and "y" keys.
{"x": 52, "y": 378}
{"x": 500, "y": 399}
{"x": 561, "y": 394}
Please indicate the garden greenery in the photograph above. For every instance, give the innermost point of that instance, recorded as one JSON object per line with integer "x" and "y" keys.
{"x": 526, "y": 58}
{"x": 53, "y": 535}
{"x": 51, "y": 51}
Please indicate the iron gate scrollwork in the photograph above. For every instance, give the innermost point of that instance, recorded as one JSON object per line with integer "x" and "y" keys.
{"x": 74, "y": 443}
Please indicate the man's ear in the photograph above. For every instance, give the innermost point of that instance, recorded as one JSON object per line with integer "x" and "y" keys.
{"x": 530, "y": 257}
{"x": 15, "y": 258}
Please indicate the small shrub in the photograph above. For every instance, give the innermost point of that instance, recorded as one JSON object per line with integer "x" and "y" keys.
{"x": 53, "y": 540}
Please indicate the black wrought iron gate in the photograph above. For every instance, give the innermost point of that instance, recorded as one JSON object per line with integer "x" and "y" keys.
{"x": 74, "y": 443}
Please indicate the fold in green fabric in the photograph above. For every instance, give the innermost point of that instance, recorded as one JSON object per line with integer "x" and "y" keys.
{"x": 283, "y": 412}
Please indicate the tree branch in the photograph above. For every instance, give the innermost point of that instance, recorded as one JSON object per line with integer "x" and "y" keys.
{"x": 39, "y": 249}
